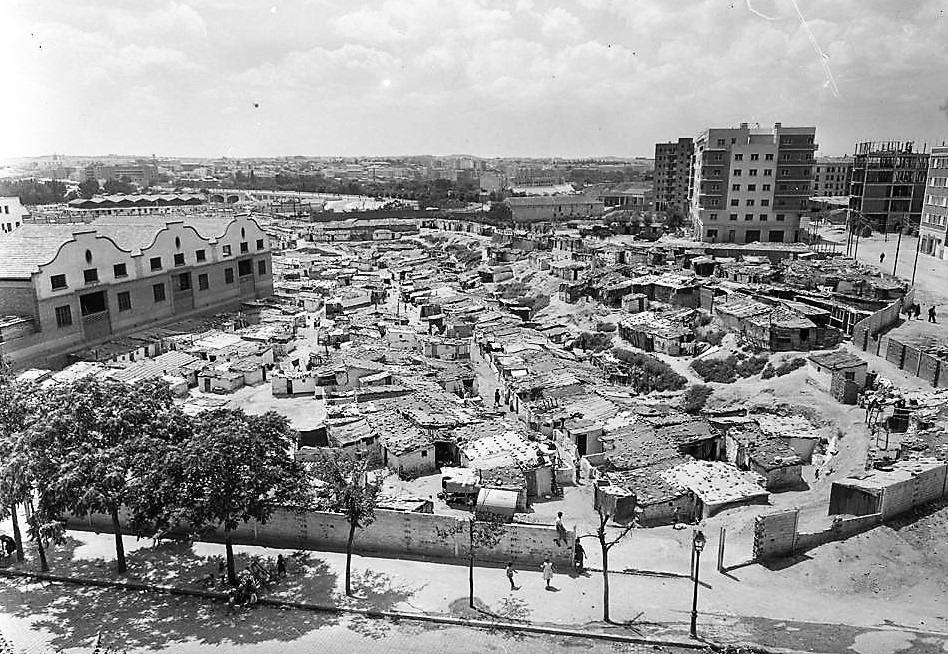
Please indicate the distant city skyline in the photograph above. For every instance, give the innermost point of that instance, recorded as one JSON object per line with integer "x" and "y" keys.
{"x": 590, "y": 78}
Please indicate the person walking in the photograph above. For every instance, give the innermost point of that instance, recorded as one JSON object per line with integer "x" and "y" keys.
{"x": 881, "y": 257}
{"x": 281, "y": 566}
{"x": 579, "y": 555}
{"x": 931, "y": 314}
{"x": 918, "y": 310}
{"x": 510, "y": 575}
{"x": 496, "y": 396}
{"x": 547, "y": 568}
{"x": 560, "y": 529}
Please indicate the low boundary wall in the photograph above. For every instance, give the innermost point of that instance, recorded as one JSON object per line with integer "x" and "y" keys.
{"x": 393, "y": 534}
{"x": 776, "y": 535}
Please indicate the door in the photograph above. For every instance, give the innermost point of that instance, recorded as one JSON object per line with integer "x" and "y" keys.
{"x": 207, "y": 385}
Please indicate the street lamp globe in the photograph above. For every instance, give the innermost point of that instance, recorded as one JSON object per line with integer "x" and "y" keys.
{"x": 699, "y": 541}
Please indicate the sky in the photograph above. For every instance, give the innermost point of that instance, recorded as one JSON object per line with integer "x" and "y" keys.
{"x": 538, "y": 78}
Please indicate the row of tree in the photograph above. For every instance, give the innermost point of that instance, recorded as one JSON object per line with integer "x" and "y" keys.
{"x": 128, "y": 452}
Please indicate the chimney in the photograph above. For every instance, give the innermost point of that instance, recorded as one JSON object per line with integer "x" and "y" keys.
{"x": 743, "y": 125}
{"x": 777, "y": 125}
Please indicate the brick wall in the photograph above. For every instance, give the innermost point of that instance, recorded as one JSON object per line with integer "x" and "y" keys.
{"x": 775, "y": 535}
{"x": 17, "y": 298}
{"x": 393, "y": 534}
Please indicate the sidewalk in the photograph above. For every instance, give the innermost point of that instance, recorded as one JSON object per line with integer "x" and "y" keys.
{"x": 743, "y": 608}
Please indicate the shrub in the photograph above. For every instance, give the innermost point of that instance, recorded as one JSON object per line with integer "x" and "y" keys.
{"x": 728, "y": 369}
{"x": 597, "y": 342}
{"x": 695, "y": 398}
{"x": 783, "y": 369}
{"x": 605, "y": 327}
{"x": 713, "y": 337}
{"x": 648, "y": 373}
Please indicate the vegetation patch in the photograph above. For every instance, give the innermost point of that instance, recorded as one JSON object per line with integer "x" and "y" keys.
{"x": 647, "y": 373}
{"x": 728, "y": 369}
{"x": 782, "y": 369}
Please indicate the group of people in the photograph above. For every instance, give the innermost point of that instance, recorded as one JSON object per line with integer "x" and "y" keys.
{"x": 250, "y": 582}
{"x": 914, "y": 311}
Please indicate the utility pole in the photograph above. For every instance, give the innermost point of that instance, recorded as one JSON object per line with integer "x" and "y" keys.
{"x": 918, "y": 247}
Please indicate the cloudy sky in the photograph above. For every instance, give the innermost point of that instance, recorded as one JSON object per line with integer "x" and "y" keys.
{"x": 516, "y": 77}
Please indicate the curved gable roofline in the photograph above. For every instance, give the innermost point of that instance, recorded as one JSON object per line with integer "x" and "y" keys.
{"x": 73, "y": 239}
{"x": 167, "y": 227}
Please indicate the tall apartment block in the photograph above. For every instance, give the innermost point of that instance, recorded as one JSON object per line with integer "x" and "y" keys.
{"x": 831, "y": 176}
{"x": 672, "y": 185}
{"x": 888, "y": 183}
{"x": 751, "y": 184}
{"x": 933, "y": 229}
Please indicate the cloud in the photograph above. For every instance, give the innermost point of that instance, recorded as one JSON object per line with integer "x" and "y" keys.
{"x": 557, "y": 23}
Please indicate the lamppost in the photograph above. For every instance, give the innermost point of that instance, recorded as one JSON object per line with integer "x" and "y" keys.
{"x": 698, "y": 545}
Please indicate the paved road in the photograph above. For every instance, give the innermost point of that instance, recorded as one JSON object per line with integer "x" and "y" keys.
{"x": 38, "y": 618}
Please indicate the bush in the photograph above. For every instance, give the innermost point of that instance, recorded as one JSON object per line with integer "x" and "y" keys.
{"x": 713, "y": 337}
{"x": 648, "y": 373}
{"x": 783, "y": 369}
{"x": 597, "y": 342}
{"x": 728, "y": 369}
{"x": 695, "y": 398}
{"x": 605, "y": 327}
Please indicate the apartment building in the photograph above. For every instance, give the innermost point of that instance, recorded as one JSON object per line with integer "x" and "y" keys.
{"x": 933, "y": 229}
{"x": 888, "y": 183}
{"x": 672, "y": 185}
{"x": 751, "y": 184}
{"x": 80, "y": 284}
{"x": 831, "y": 176}
{"x": 11, "y": 214}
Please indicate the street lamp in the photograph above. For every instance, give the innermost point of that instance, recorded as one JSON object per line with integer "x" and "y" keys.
{"x": 698, "y": 545}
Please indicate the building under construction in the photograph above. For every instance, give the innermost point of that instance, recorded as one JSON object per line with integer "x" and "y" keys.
{"x": 888, "y": 184}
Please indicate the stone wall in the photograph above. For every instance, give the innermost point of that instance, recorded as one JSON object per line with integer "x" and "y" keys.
{"x": 393, "y": 534}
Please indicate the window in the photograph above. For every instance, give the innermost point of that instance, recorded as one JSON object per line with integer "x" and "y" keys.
{"x": 748, "y": 216}
{"x": 769, "y": 156}
{"x": 732, "y": 216}
{"x": 125, "y": 301}
{"x": 200, "y": 255}
{"x": 750, "y": 202}
{"x": 90, "y": 275}
{"x": 737, "y": 172}
{"x": 712, "y": 216}
{"x": 763, "y": 217}
{"x": 226, "y": 250}
{"x": 259, "y": 243}
{"x": 755, "y": 156}
{"x": 63, "y": 316}
{"x": 768, "y": 172}
{"x": 57, "y": 282}
{"x": 752, "y": 187}
{"x": 244, "y": 247}
{"x": 785, "y": 172}
{"x": 735, "y": 187}
{"x": 780, "y": 217}
{"x": 202, "y": 282}
{"x": 765, "y": 187}
{"x": 244, "y": 268}
{"x": 735, "y": 202}
{"x": 119, "y": 270}
{"x": 720, "y": 141}
{"x": 179, "y": 259}
{"x": 158, "y": 290}
{"x": 712, "y": 233}
{"x": 424, "y": 454}
{"x": 752, "y": 172}
{"x": 765, "y": 202}
{"x": 738, "y": 157}
{"x": 262, "y": 264}
{"x": 184, "y": 282}
{"x": 156, "y": 263}
{"x": 228, "y": 275}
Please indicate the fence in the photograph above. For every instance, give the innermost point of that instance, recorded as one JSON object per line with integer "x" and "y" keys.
{"x": 394, "y": 534}
{"x": 867, "y": 332}
{"x": 777, "y": 535}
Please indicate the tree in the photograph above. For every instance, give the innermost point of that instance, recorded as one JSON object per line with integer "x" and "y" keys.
{"x": 235, "y": 468}
{"x": 348, "y": 491}
{"x": 605, "y": 545}
{"x": 98, "y": 444}
{"x": 484, "y": 535}
{"x": 121, "y": 186}
{"x": 88, "y": 188}
{"x": 15, "y": 412}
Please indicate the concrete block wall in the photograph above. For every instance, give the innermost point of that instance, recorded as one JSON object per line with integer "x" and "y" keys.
{"x": 393, "y": 534}
{"x": 919, "y": 489}
{"x": 894, "y": 352}
{"x": 911, "y": 360}
{"x": 775, "y": 535}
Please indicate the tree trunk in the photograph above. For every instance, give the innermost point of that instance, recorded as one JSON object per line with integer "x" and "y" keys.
{"x": 231, "y": 565}
{"x": 605, "y": 580}
{"x": 17, "y": 536}
{"x": 352, "y": 531}
{"x": 119, "y": 545}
